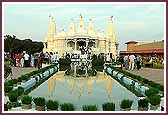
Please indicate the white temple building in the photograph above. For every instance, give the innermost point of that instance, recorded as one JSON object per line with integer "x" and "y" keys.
{"x": 76, "y": 37}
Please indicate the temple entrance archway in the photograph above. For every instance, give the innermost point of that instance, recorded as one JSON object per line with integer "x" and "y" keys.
{"x": 81, "y": 44}
{"x": 91, "y": 44}
{"x": 71, "y": 44}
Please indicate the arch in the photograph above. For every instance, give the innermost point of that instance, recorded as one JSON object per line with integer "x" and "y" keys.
{"x": 71, "y": 44}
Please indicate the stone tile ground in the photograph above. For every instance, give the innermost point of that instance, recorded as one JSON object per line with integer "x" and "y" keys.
{"x": 156, "y": 75}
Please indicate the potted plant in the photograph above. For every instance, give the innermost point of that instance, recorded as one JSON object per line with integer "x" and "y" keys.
{"x": 52, "y": 105}
{"x": 15, "y": 82}
{"x": 151, "y": 91}
{"x": 40, "y": 103}
{"x": 108, "y": 106}
{"x": 6, "y": 107}
{"x": 13, "y": 99}
{"x": 126, "y": 105}
{"x": 26, "y": 102}
{"x": 67, "y": 107}
{"x": 7, "y": 89}
{"x": 19, "y": 81}
{"x": 90, "y": 108}
{"x": 154, "y": 101}
{"x": 143, "y": 104}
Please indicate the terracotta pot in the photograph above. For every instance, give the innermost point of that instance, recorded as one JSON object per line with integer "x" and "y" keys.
{"x": 40, "y": 108}
{"x": 26, "y": 106}
{"x": 142, "y": 109}
{"x": 126, "y": 109}
{"x": 51, "y": 110}
{"x": 152, "y": 107}
{"x": 5, "y": 107}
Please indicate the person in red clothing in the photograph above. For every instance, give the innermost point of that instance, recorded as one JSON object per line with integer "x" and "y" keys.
{"x": 17, "y": 58}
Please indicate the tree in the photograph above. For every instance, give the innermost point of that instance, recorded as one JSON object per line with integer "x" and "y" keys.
{"x": 11, "y": 43}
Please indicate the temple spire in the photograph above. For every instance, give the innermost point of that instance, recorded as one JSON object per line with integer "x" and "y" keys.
{"x": 52, "y": 26}
{"x": 81, "y": 24}
{"x": 111, "y": 32}
{"x": 91, "y": 28}
{"x": 71, "y": 27}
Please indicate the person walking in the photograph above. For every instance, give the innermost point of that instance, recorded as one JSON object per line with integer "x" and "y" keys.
{"x": 126, "y": 62}
{"x": 17, "y": 58}
{"x": 32, "y": 60}
{"x": 26, "y": 59}
{"x": 131, "y": 62}
{"x": 22, "y": 61}
{"x": 138, "y": 62}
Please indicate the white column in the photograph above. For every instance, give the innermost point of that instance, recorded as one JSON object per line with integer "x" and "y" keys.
{"x": 75, "y": 45}
{"x": 86, "y": 43}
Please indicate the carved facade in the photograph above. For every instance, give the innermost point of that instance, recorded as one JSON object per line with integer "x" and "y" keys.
{"x": 62, "y": 42}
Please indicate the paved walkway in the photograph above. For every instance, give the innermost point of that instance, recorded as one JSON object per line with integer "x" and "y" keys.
{"x": 156, "y": 75}
{"x": 18, "y": 71}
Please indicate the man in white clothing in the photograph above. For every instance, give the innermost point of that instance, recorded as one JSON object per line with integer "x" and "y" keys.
{"x": 131, "y": 62}
{"x": 26, "y": 59}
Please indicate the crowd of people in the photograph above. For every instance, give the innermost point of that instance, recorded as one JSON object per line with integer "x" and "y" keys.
{"x": 26, "y": 59}
{"x": 132, "y": 61}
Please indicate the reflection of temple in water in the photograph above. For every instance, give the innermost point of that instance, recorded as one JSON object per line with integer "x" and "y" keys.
{"x": 79, "y": 83}
{"x": 109, "y": 84}
{"x": 71, "y": 83}
{"x": 90, "y": 82}
{"x": 51, "y": 85}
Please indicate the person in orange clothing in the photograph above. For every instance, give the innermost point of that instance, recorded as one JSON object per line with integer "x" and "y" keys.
{"x": 17, "y": 58}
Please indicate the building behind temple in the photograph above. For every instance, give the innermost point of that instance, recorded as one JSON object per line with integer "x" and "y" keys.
{"x": 99, "y": 42}
{"x": 146, "y": 49}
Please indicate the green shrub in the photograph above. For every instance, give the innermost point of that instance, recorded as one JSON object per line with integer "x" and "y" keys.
{"x": 154, "y": 100}
{"x": 108, "y": 107}
{"x": 39, "y": 101}
{"x": 13, "y": 97}
{"x": 139, "y": 78}
{"x": 151, "y": 91}
{"x": 99, "y": 68}
{"x": 158, "y": 66}
{"x": 7, "y": 89}
{"x": 143, "y": 103}
{"x": 52, "y": 105}
{"x": 15, "y": 81}
{"x": 64, "y": 61}
{"x": 90, "y": 108}
{"x": 19, "y": 79}
{"x": 145, "y": 81}
{"x": 10, "y": 83}
{"x": 126, "y": 103}
{"x": 98, "y": 62}
{"x": 67, "y": 107}
{"x": 26, "y": 99}
{"x": 19, "y": 91}
{"x": 64, "y": 67}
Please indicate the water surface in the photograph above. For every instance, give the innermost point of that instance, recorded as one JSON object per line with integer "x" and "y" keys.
{"x": 80, "y": 91}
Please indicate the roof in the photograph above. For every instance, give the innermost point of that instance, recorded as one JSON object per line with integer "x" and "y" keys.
{"x": 131, "y": 42}
{"x": 143, "y": 51}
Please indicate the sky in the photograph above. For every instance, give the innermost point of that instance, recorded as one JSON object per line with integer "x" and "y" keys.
{"x": 139, "y": 22}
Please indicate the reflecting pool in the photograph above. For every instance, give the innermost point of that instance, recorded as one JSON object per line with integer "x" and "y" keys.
{"x": 80, "y": 91}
